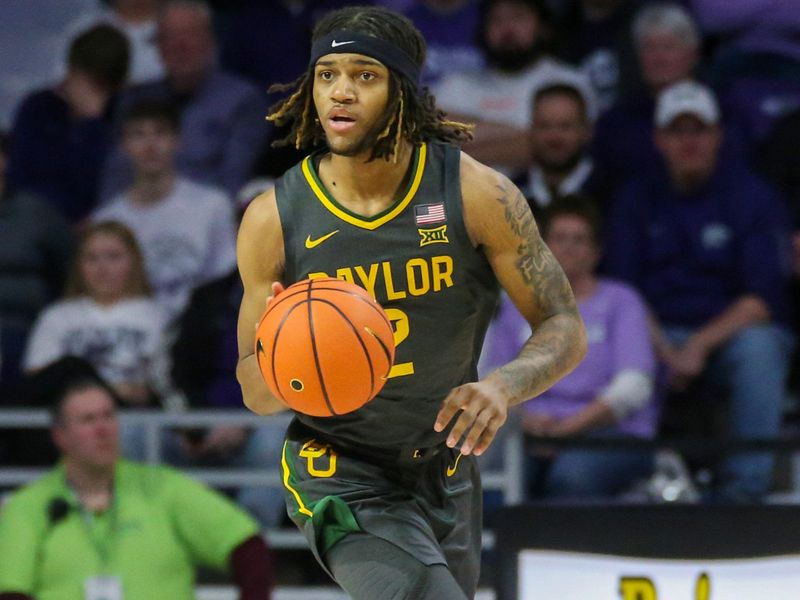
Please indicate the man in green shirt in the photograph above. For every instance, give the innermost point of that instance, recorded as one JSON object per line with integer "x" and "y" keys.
{"x": 100, "y": 528}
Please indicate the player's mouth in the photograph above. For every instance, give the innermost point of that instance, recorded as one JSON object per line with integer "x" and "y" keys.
{"x": 341, "y": 122}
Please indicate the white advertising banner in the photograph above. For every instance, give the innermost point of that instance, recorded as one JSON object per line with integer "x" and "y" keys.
{"x": 550, "y": 575}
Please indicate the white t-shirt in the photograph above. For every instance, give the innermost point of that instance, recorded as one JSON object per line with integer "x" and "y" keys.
{"x": 188, "y": 238}
{"x": 124, "y": 341}
{"x": 499, "y": 97}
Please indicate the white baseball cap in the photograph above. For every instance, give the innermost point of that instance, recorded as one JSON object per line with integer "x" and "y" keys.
{"x": 686, "y": 98}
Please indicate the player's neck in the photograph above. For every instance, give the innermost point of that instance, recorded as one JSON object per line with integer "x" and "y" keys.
{"x": 150, "y": 188}
{"x": 366, "y": 187}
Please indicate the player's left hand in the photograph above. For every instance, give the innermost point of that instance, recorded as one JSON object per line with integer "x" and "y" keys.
{"x": 484, "y": 408}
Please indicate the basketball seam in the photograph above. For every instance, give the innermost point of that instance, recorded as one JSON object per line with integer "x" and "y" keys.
{"x": 275, "y": 344}
{"x": 307, "y": 301}
{"x": 385, "y": 351}
{"x": 371, "y": 303}
{"x": 358, "y": 337}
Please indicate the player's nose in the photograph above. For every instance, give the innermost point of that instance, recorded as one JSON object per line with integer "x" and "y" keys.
{"x": 344, "y": 91}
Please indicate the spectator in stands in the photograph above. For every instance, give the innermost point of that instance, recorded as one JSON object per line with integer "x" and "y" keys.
{"x": 222, "y": 116}
{"x": 185, "y": 229}
{"x": 450, "y": 28}
{"x": 97, "y": 526}
{"x": 596, "y": 36}
{"x": 667, "y": 45}
{"x": 754, "y": 48}
{"x": 515, "y": 37}
{"x": 706, "y": 242}
{"x": 611, "y": 392}
{"x": 751, "y": 36}
{"x": 35, "y": 253}
{"x": 108, "y": 319}
{"x": 204, "y": 358}
{"x": 38, "y": 64}
{"x": 137, "y": 19}
{"x": 62, "y": 135}
{"x": 561, "y": 130}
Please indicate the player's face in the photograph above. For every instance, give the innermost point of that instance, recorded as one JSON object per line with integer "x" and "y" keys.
{"x": 690, "y": 147}
{"x": 559, "y": 132}
{"x": 665, "y": 59}
{"x": 88, "y": 432}
{"x": 351, "y": 92}
{"x": 570, "y": 240}
{"x": 105, "y": 265}
{"x": 151, "y": 145}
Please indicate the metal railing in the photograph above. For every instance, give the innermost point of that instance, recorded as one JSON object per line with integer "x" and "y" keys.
{"x": 508, "y": 479}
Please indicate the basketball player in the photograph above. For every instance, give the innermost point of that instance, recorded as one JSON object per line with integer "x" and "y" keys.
{"x": 389, "y": 496}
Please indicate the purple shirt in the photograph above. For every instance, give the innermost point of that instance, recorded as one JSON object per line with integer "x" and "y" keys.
{"x": 619, "y": 338}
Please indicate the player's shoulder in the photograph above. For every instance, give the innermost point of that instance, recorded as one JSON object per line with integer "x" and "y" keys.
{"x": 478, "y": 179}
{"x": 481, "y": 184}
{"x": 260, "y": 223}
{"x": 262, "y": 209}
{"x": 487, "y": 197}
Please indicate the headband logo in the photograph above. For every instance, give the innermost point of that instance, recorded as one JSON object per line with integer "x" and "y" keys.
{"x": 335, "y": 44}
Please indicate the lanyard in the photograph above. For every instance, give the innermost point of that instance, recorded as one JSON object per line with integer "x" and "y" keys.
{"x": 102, "y": 543}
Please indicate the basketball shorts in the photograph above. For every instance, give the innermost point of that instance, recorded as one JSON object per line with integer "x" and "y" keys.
{"x": 426, "y": 501}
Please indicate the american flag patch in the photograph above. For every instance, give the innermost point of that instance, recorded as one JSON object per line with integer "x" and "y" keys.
{"x": 429, "y": 213}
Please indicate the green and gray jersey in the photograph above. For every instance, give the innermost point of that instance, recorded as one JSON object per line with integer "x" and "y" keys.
{"x": 418, "y": 261}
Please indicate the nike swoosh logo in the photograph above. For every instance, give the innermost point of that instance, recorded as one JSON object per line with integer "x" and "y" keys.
{"x": 452, "y": 470}
{"x": 335, "y": 44}
{"x": 314, "y": 243}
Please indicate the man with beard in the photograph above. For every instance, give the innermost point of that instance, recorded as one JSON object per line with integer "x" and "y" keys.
{"x": 497, "y": 98}
{"x": 389, "y": 496}
{"x": 561, "y": 129}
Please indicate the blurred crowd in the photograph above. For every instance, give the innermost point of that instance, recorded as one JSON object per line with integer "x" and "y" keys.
{"x": 656, "y": 142}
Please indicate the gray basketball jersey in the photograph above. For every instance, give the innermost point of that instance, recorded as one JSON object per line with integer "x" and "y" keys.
{"x": 417, "y": 260}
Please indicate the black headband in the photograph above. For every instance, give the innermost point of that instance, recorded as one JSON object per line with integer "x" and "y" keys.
{"x": 342, "y": 41}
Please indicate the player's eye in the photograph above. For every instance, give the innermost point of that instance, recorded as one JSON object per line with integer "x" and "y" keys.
{"x": 367, "y": 76}
{"x": 325, "y": 75}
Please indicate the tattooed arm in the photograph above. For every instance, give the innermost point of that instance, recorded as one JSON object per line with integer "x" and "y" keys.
{"x": 500, "y": 222}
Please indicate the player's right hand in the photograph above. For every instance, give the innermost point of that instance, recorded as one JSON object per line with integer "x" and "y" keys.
{"x": 277, "y": 288}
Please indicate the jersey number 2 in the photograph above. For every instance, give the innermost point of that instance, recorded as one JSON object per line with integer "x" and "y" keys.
{"x": 399, "y": 321}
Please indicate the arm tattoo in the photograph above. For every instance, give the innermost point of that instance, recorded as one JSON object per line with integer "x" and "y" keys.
{"x": 535, "y": 262}
{"x": 558, "y": 339}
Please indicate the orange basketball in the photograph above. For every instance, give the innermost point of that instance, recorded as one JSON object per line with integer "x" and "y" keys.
{"x": 324, "y": 347}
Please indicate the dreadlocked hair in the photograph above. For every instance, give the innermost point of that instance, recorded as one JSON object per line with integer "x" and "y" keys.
{"x": 411, "y": 113}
